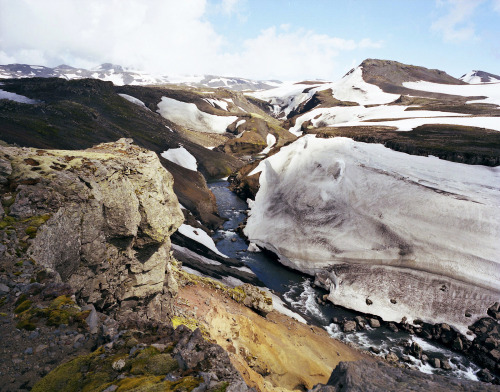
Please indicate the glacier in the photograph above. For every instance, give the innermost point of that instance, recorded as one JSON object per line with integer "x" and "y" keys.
{"x": 374, "y": 223}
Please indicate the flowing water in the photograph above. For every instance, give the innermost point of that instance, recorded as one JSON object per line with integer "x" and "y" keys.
{"x": 297, "y": 291}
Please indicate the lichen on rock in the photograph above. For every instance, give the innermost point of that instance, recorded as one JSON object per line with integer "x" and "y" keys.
{"x": 111, "y": 210}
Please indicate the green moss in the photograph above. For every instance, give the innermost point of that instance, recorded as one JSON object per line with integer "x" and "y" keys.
{"x": 58, "y": 317}
{"x": 3, "y": 314}
{"x": 68, "y": 377}
{"x": 31, "y": 231}
{"x": 21, "y": 299}
{"x": 26, "y": 324}
{"x": 140, "y": 384}
{"x": 38, "y": 220}
{"x": 2, "y": 300}
{"x": 23, "y": 306}
{"x": 220, "y": 387}
{"x": 237, "y": 294}
{"x": 19, "y": 264}
{"x": 8, "y": 202}
{"x": 7, "y": 221}
{"x": 150, "y": 361}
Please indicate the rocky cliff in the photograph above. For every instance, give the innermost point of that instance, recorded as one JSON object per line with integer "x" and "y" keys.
{"x": 112, "y": 211}
{"x": 85, "y": 260}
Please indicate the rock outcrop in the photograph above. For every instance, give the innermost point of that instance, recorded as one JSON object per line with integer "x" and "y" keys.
{"x": 363, "y": 376}
{"x": 111, "y": 210}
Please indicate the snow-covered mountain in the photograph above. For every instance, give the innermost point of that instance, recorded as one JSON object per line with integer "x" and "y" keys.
{"x": 477, "y": 77}
{"x": 122, "y": 76}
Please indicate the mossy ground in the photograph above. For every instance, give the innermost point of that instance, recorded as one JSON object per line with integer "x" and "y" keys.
{"x": 61, "y": 310}
{"x": 143, "y": 371}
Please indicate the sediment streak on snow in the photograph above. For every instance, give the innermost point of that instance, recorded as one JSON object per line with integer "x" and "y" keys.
{"x": 336, "y": 202}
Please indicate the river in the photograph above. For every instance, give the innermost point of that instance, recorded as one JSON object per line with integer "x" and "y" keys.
{"x": 297, "y": 291}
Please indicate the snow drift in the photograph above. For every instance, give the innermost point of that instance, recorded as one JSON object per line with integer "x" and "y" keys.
{"x": 189, "y": 116}
{"x": 373, "y": 223}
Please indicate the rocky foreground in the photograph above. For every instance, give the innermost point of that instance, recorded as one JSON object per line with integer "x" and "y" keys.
{"x": 90, "y": 293}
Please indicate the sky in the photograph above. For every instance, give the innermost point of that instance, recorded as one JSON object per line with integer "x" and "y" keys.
{"x": 258, "y": 39}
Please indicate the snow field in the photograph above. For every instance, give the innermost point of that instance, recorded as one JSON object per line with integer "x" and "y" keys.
{"x": 200, "y": 236}
{"x": 491, "y": 91}
{"x": 16, "y": 97}
{"x": 182, "y": 157}
{"x": 133, "y": 100}
{"x": 415, "y": 219}
{"x": 189, "y": 116}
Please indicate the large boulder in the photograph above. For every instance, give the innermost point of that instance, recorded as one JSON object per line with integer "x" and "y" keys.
{"x": 376, "y": 376}
{"x": 111, "y": 212}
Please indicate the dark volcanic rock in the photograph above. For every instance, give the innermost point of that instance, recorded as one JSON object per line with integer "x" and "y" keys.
{"x": 362, "y": 376}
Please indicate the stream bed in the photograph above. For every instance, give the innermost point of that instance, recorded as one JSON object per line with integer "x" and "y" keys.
{"x": 297, "y": 291}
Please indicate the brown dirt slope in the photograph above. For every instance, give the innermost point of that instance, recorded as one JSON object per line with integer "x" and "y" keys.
{"x": 275, "y": 353}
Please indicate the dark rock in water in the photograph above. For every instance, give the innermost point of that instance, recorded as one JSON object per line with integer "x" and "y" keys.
{"x": 416, "y": 350}
{"x": 485, "y": 375}
{"x": 491, "y": 342}
{"x": 375, "y": 350}
{"x": 391, "y": 357}
{"x": 361, "y": 321}
{"x": 362, "y": 376}
{"x": 393, "y": 327}
{"x": 349, "y": 326}
{"x": 374, "y": 323}
{"x": 445, "y": 364}
{"x": 435, "y": 362}
{"x": 495, "y": 354}
{"x": 457, "y": 344}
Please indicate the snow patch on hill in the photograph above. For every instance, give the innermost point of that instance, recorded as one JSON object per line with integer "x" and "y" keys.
{"x": 200, "y": 236}
{"x": 352, "y": 87}
{"x": 354, "y": 115}
{"x": 479, "y": 77}
{"x": 189, "y": 116}
{"x": 491, "y": 91}
{"x": 181, "y": 157}
{"x": 133, "y": 100}
{"x": 16, "y": 97}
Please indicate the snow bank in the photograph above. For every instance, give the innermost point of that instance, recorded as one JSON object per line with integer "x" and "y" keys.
{"x": 352, "y": 87}
{"x": 189, "y": 116}
{"x": 132, "y": 99}
{"x": 353, "y": 115}
{"x": 16, "y": 97}
{"x": 389, "y": 223}
{"x": 411, "y": 123}
{"x": 491, "y": 91}
{"x": 271, "y": 141}
{"x": 286, "y": 97}
{"x": 217, "y": 102}
{"x": 200, "y": 236}
{"x": 182, "y": 157}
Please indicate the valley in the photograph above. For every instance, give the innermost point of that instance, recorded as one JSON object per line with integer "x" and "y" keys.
{"x": 366, "y": 210}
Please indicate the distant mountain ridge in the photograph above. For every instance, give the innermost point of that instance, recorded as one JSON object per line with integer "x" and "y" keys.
{"x": 479, "y": 77}
{"x": 122, "y": 76}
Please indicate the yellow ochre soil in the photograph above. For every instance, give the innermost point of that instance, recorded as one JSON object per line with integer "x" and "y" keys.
{"x": 276, "y": 353}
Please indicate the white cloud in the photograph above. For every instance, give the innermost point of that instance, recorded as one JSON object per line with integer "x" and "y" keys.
{"x": 229, "y": 7}
{"x": 162, "y": 36}
{"x": 456, "y": 25}
{"x": 291, "y": 54}
{"x": 154, "y": 34}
